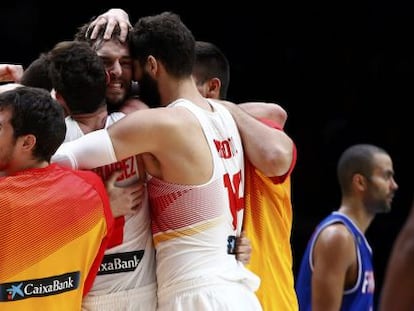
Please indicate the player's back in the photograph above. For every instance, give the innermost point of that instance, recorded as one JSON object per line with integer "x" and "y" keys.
{"x": 54, "y": 225}
{"x": 192, "y": 223}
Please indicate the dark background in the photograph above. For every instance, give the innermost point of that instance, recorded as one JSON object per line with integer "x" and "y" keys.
{"x": 337, "y": 89}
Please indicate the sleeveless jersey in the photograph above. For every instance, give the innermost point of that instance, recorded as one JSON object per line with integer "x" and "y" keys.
{"x": 54, "y": 224}
{"x": 191, "y": 223}
{"x": 358, "y": 298}
{"x": 129, "y": 261}
{"x": 268, "y": 224}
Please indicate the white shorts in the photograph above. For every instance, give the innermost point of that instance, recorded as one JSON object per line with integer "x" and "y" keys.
{"x": 139, "y": 299}
{"x": 216, "y": 295}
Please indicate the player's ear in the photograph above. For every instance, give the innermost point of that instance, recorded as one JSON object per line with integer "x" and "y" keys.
{"x": 28, "y": 142}
{"x": 152, "y": 66}
{"x": 214, "y": 86}
{"x": 359, "y": 181}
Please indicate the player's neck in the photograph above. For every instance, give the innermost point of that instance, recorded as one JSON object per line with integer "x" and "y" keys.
{"x": 24, "y": 166}
{"x": 90, "y": 122}
{"x": 183, "y": 88}
{"x": 358, "y": 214}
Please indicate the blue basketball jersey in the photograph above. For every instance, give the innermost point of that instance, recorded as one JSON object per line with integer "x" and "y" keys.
{"x": 361, "y": 296}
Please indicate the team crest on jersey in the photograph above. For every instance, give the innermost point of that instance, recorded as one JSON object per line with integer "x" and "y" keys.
{"x": 53, "y": 285}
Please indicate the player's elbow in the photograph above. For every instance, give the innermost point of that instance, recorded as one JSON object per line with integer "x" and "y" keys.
{"x": 277, "y": 161}
{"x": 279, "y": 115}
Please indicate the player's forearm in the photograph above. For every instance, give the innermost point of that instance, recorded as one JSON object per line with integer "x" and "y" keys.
{"x": 269, "y": 150}
{"x": 262, "y": 110}
{"x": 92, "y": 150}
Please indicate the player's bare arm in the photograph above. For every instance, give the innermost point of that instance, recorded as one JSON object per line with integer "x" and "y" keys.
{"x": 273, "y": 159}
{"x": 333, "y": 258}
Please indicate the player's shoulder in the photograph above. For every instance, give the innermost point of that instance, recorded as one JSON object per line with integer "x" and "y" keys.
{"x": 336, "y": 234}
{"x": 86, "y": 175}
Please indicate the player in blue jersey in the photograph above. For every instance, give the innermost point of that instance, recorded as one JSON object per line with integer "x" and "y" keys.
{"x": 336, "y": 271}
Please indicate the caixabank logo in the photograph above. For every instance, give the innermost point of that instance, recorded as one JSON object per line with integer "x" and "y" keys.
{"x": 120, "y": 262}
{"x": 53, "y": 285}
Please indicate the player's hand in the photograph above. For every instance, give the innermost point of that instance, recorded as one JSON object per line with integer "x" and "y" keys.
{"x": 124, "y": 200}
{"x": 11, "y": 72}
{"x": 243, "y": 248}
{"x": 109, "y": 20}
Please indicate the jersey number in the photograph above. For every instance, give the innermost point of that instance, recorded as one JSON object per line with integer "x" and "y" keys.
{"x": 236, "y": 202}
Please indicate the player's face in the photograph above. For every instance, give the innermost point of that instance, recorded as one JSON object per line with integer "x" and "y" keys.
{"x": 381, "y": 185}
{"x": 148, "y": 86}
{"x": 7, "y": 140}
{"x": 118, "y": 64}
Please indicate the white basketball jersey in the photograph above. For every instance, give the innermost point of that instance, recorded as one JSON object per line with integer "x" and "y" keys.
{"x": 191, "y": 223}
{"x": 129, "y": 262}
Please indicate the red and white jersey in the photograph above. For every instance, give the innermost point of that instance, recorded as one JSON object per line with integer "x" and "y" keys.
{"x": 191, "y": 223}
{"x": 129, "y": 261}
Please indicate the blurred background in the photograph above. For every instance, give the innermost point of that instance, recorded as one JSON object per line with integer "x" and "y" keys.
{"x": 351, "y": 82}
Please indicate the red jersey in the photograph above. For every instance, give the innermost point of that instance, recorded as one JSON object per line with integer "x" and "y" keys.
{"x": 54, "y": 225}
